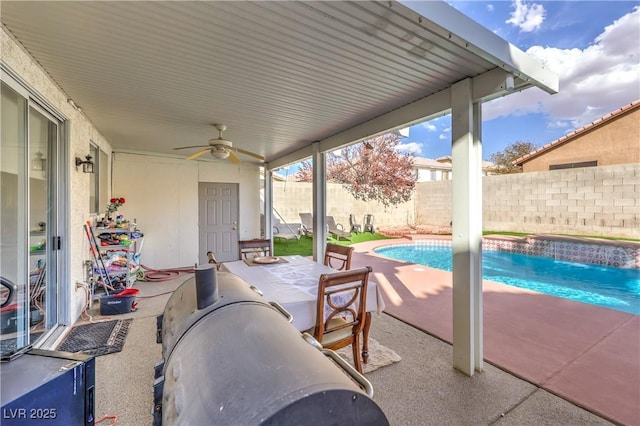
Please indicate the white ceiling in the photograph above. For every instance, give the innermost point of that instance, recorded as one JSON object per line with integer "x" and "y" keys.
{"x": 156, "y": 75}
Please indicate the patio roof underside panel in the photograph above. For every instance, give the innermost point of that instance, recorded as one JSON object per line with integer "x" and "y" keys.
{"x": 281, "y": 75}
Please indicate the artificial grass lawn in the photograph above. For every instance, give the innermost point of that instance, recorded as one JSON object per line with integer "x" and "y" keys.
{"x": 303, "y": 246}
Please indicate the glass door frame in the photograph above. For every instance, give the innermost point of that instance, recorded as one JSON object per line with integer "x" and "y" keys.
{"x": 52, "y": 280}
{"x": 58, "y": 302}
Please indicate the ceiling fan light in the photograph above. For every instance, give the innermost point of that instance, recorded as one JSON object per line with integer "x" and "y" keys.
{"x": 220, "y": 154}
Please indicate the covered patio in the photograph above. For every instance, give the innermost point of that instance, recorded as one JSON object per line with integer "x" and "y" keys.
{"x": 290, "y": 80}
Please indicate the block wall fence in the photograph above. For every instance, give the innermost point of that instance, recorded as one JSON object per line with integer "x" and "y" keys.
{"x": 599, "y": 201}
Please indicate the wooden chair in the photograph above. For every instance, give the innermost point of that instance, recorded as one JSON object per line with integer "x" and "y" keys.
{"x": 253, "y": 248}
{"x": 338, "y": 257}
{"x": 341, "y": 310}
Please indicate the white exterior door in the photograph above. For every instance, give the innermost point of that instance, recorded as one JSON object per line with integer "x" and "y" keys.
{"x": 218, "y": 221}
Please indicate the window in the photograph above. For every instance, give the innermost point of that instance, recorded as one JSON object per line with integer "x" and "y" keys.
{"x": 98, "y": 180}
{"x": 573, "y": 165}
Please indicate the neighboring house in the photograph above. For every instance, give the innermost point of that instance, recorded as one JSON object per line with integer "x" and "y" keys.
{"x": 612, "y": 139}
{"x": 429, "y": 169}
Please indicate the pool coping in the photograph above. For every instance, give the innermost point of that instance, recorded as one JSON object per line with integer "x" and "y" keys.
{"x": 537, "y": 245}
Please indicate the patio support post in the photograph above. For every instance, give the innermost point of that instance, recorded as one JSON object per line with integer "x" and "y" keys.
{"x": 319, "y": 201}
{"x": 467, "y": 228}
{"x": 268, "y": 204}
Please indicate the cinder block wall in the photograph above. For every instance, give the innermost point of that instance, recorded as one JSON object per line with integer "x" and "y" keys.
{"x": 585, "y": 201}
{"x": 599, "y": 201}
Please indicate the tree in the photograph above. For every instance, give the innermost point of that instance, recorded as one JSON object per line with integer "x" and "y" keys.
{"x": 503, "y": 160}
{"x": 372, "y": 170}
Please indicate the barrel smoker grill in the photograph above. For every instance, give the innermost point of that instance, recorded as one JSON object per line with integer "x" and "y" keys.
{"x": 230, "y": 358}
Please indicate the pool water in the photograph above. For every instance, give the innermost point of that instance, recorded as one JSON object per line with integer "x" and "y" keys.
{"x": 605, "y": 286}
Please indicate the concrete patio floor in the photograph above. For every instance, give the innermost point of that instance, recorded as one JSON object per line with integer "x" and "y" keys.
{"x": 422, "y": 389}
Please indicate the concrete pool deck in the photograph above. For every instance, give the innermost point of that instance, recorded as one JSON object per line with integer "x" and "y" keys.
{"x": 585, "y": 354}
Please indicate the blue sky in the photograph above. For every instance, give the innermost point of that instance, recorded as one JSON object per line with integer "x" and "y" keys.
{"x": 594, "y": 46}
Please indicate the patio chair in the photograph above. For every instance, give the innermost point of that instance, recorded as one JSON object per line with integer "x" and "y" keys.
{"x": 355, "y": 226}
{"x": 253, "y": 248}
{"x": 341, "y": 310}
{"x": 284, "y": 231}
{"x": 337, "y": 229}
{"x": 306, "y": 226}
{"x": 338, "y": 257}
{"x": 368, "y": 224}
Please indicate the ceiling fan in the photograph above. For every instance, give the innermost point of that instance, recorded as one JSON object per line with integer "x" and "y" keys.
{"x": 220, "y": 148}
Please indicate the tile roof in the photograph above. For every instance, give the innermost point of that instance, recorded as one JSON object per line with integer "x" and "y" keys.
{"x": 574, "y": 134}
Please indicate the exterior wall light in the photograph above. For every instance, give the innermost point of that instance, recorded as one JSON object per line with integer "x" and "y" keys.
{"x": 87, "y": 164}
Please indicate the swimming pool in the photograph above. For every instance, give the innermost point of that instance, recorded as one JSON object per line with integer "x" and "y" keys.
{"x": 605, "y": 286}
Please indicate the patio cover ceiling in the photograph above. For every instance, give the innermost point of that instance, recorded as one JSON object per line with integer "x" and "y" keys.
{"x": 152, "y": 76}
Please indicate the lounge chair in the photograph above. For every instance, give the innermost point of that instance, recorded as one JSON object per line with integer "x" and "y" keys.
{"x": 337, "y": 229}
{"x": 284, "y": 231}
{"x": 306, "y": 226}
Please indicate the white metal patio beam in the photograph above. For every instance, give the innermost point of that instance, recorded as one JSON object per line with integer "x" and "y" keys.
{"x": 467, "y": 229}
{"x": 487, "y": 86}
{"x": 319, "y": 194}
{"x": 268, "y": 205}
{"x": 447, "y": 22}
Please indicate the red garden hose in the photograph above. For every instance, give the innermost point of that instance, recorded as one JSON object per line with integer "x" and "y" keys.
{"x": 156, "y": 275}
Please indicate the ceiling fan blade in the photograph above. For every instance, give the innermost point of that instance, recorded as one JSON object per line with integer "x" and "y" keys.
{"x": 194, "y": 146}
{"x": 233, "y": 157}
{"x": 198, "y": 154}
{"x": 242, "y": 151}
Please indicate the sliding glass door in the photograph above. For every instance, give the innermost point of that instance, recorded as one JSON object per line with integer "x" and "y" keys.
{"x": 29, "y": 238}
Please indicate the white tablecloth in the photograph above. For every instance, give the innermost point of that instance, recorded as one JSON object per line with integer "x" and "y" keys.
{"x": 294, "y": 285}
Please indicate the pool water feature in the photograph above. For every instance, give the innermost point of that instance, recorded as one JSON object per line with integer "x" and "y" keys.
{"x": 605, "y": 286}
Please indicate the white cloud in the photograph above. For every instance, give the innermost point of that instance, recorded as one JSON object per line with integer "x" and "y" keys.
{"x": 411, "y": 148}
{"x": 593, "y": 82}
{"x": 527, "y": 17}
{"x": 443, "y": 136}
{"x": 430, "y": 127}
{"x": 490, "y": 7}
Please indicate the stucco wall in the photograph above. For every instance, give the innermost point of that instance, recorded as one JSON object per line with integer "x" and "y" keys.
{"x": 292, "y": 198}
{"x": 614, "y": 142}
{"x": 162, "y": 196}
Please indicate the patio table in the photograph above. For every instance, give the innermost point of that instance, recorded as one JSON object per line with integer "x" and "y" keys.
{"x": 294, "y": 285}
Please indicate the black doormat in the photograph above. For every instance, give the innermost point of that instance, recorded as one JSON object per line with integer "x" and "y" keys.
{"x": 98, "y": 338}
